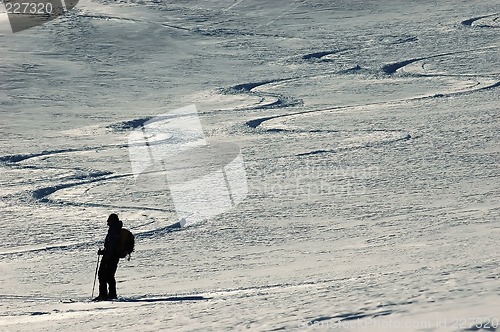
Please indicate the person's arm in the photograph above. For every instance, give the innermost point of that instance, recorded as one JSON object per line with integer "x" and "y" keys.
{"x": 105, "y": 250}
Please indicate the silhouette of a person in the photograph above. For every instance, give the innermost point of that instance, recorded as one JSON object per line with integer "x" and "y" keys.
{"x": 110, "y": 259}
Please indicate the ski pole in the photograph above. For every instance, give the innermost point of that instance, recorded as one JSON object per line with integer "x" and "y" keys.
{"x": 95, "y": 277}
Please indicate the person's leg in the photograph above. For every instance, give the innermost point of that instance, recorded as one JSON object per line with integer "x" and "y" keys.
{"x": 102, "y": 275}
{"x": 112, "y": 266}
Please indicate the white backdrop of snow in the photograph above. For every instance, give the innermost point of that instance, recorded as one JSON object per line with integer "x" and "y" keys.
{"x": 370, "y": 132}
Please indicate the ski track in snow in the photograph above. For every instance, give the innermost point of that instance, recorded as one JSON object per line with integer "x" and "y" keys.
{"x": 484, "y": 21}
{"x": 387, "y": 69}
{"x": 82, "y": 306}
{"x": 268, "y": 101}
{"x": 140, "y": 235}
{"x": 268, "y": 118}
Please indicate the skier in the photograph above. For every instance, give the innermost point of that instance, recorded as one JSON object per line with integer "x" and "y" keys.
{"x": 110, "y": 258}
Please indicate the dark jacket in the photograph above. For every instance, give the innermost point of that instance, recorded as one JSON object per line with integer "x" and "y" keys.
{"x": 111, "y": 240}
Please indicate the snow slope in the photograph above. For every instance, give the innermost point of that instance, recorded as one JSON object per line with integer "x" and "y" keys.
{"x": 370, "y": 137}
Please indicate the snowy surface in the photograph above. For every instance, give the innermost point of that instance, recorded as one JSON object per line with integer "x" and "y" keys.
{"x": 370, "y": 134}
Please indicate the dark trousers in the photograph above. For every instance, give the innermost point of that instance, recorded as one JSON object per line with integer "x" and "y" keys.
{"x": 106, "y": 275}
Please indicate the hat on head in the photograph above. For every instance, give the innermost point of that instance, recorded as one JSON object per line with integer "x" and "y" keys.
{"x": 113, "y": 218}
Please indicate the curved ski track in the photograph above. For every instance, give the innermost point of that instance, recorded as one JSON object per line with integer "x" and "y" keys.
{"x": 484, "y": 21}
{"x": 84, "y": 176}
{"x": 269, "y": 101}
{"x": 387, "y": 69}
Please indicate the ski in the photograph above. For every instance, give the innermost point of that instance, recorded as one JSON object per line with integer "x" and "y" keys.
{"x": 139, "y": 299}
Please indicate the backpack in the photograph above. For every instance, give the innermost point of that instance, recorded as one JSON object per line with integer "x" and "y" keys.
{"x": 126, "y": 243}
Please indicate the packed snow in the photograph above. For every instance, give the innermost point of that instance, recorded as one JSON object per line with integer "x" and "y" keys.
{"x": 364, "y": 186}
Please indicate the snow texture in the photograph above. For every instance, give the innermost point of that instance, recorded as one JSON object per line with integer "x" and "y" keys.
{"x": 369, "y": 132}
